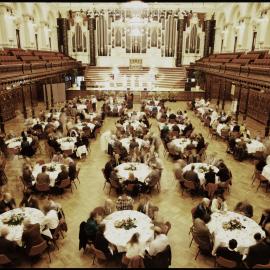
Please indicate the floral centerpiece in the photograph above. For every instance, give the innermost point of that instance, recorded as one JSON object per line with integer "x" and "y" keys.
{"x": 233, "y": 224}
{"x": 203, "y": 169}
{"x": 68, "y": 140}
{"x": 51, "y": 168}
{"x": 14, "y": 220}
{"x": 18, "y": 140}
{"x": 131, "y": 168}
{"x": 126, "y": 224}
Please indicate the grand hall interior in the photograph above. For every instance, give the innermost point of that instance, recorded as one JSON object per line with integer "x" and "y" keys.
{"x": 135, "y": 134}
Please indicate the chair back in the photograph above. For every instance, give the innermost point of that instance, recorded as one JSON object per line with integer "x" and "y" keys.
{"x": 41, "y": 162}
{"x": 68, "y": 152}
{"x": 65, "y": 183}
{"x": 262, "y": 178}
{"x": 103, "y": 171}
{"x": 77, "y": 172}
{"x": 265, "y": 266}
{"x": 38, "y": 249}
{"x": 136, "y": 262}
{"x": 114, "y": 183}
{"x": 42, "y": 187}
{"x": 98, "y": 253}
{"x": 4, "y": 259}
{"x": 193, "y": 210}
{"x": 225, "y": 262}
{"x": 130, "y": 187}
{"x": 56, "y": 231}
{"x": 211, "y": 188}
{"x": 168, "y": 226}
{"x": 189, "y": 184}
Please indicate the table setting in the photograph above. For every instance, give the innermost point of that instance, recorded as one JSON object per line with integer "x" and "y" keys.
{"x": 182, "y": 143}
{"x": 16, "y": 142}
{"x": 67, "y": 143}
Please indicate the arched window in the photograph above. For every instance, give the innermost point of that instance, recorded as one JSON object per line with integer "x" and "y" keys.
{"x": 154, "y": 38}
{"x": 193, "y": 40}
{"x": 193, "y": 37}
{"x": 78, "y": 35}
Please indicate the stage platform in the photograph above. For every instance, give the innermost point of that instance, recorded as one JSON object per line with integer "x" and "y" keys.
{"x": 139, "y": 94}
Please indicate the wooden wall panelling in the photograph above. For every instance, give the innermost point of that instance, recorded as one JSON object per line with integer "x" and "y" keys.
{"x": 243, "y": 99}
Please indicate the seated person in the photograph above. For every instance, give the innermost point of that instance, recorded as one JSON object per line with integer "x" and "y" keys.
{"x": 58, "y": 157}
{"x": 153, "y": 178}
{"x": 54, "y": 144}
{"x": 202, "y": 209}
{"x": 7, "y": 247}
{"x": 265, "y": 218}
{"x": 244, "y": 208}
{"x": 109, "y": 207}
{"x": 62, "y": 175}
{"x": 133, "y": 144}
{"x": 26, "y": 149}
{"x": 230, "y": 252}
{"x": 29, "y": 200}
{"x": 101, "y": 243}
{"x": 28, "y": 176}
{"x": 134, "y": 248}
{"x": 79, "y": 142}
{"x": 31, "y": 235}
{"x": 201, "y": 143}
{"x": 109, "y": 167}
{"x": 43, "y": 177}
{"x": 260, "y": 165}
{"x": 146, "y": 207}
{"x": 132, "y": 180}
{"x": 72, "y": 171}
{"x": 159, "y": 243}
{"x": 191, "y": 175}
{"x": 7, "y": 203}
{"x": 210, "y": 176}
{"x": 91, "y": 226}
{"x": 260, "y": 252}
{"x": 223, "y": 173}
{"x": 66, "y": 159}
{"x": 124, "y": 202}
{"x": 219, "y": 204}
{"x": 240, "y": 150}
{"x": 202, "y": 235}
{"x": 50, "y": 219}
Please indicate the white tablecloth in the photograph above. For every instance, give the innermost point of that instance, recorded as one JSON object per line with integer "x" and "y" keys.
{"x": 13, "y": 143}
{"x": 203, "y": 110}
{"x": 181, "y": 127}
{"x": 135, "y": 124}
{"x": 244, "y": 237}
{"x": 255, "y": 146}
{"x": 67, "y": 145}
{"x": 150, "y": 107}
{"x": 81, "y": 107}
{"x": 55, "y": 115}
{"x": 119, "y": 237}
{"x": 182, "y": 143}
{"x": 201, "y": 175}
{"x": 141, "y": 172}
{"x": 266, "y": 172}
{"x": 156, "y": 102}
{"x": 15, "y": 232}
{"x": 90, "y": 116}
{"x": 81, "y": 125}
{"x": 126, "y": 142}
{"x": 119, "y": 107}
{"x": 221, "y": 126}
{"x": 53, "y": 175}
{"x": 136, "y": 116}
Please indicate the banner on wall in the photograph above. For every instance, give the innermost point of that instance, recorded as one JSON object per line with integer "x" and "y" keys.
{"x": 232, "y": 89}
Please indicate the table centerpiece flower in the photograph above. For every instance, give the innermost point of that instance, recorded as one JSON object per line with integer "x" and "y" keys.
{"x": 14, "y": 220}
{"x": 203, "y": 169}
{"x": 51, "y": 168}
{"x": 126, "y": 224}
{"x": 233, "y": 224}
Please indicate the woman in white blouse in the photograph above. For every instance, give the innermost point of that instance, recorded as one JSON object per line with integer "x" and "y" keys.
{"x": 219, "y": 204}
{"x": 134, "y": 248}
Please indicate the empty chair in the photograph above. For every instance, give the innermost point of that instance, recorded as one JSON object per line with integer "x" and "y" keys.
{"x": 97, "y": 254}
{"x": 225, "y": 262}
{"x": 39, "y": 249}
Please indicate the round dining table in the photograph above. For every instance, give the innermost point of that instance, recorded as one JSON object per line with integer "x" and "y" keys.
{"x": 120, "y": 236}
{"x": 67, "y": 143}
{"x": 181, "y": 126}
{"x": 16, "y": 142}
{"x": 140, "y": 171}
{"x": 222, "y": 234}
{"x": 126, "y": 142}
{"x": 201, "y": 169}
{"x": 253, "y": 146}
{"x": 135, "y": 124}
{"x": 53, "y": 169}
{"x": 182, "y": 143}
{"x": 80, "y": 126}
{"x": 16, "y": 231}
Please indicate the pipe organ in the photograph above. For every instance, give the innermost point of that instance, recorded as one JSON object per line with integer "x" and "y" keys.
{"x": 122, "y": 33}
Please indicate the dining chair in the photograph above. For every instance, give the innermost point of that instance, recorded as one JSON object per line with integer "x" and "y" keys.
{"x": 225, "y": 262}
{"x": 97, "y": 254}
{"x": 4, "y": 260}
{"x": 37, "y": 250}
{"x": 263, "y": 181}
{"x": 66, "y": 183}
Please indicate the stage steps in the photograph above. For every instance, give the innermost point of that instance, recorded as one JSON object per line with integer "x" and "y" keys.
{"x": 166, "y": 77}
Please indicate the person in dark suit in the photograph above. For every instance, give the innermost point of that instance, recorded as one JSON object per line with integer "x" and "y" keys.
{"x": 62, "y": 175}
{"x": 7, "y": 203}
{"x": 43, "y": 177}
{"x": 7, "y": 247}
{"x": 31, "y": 235}
{"x": 210, "y": 176}
{"x": 261, "y": 163}
{"x": 192, "y": 176}
{"x": 101, "y": 242}
{"x": 26, "y": 149}
{"x": 202, "y": 209}
{"x": 29, "y": 200}
{"x": 72, "y": 170}
{"x": 109, "y": 167}
{"x": 133, "y": 144}
{"x": 223, "y": 173}
{"x": 201, "y": 143}
{"x": 28, "y": 176}
{"x": 260, "y": 252}
{"x": 230, "y": 252}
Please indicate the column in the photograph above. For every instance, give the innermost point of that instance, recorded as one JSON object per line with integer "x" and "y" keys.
{"x": 218, "y": 40}
{"x": 267, "y": 127}
{"x": 31, "y": 100}
{"x": 92, "y": 42}
{"x": 209, "y": 35}
{"x": 46, "y": 96}
{"x": 224, "y": 94}
{"x": 228, "y": 42}
{"x": 52, "y": 101}
{"x": 23, "y": 103}
{"x": 3, "y": 27}
{"x": 62, "y": 35}
{"x": 43, "y": 41}
{"x": 180, "y": 29}
{"x": 246, "y": 107}
{"x": 218, "y": 101}
{"x": 238, "y": 102}
{"x": 244, "y": 39}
